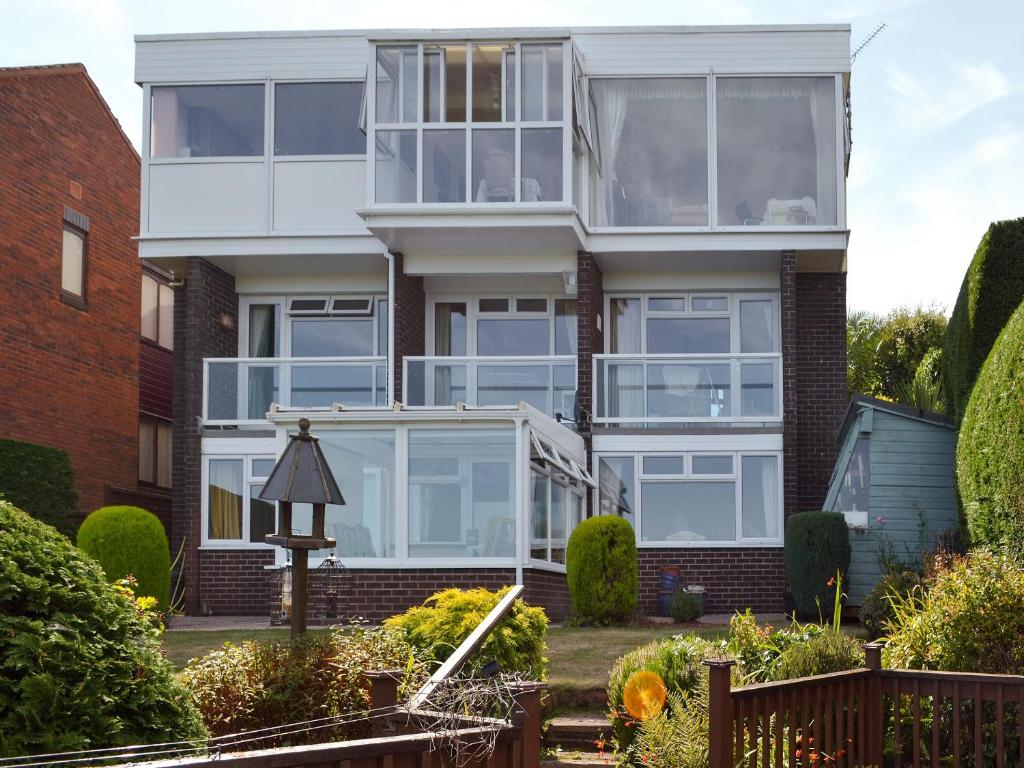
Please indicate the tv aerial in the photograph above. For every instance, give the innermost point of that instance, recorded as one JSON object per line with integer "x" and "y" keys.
{"x": 867, "y": 41}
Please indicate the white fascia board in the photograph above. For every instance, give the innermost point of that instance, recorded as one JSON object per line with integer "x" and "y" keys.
{"x": 690, "y": 281}
{"x": 231, "y": 446}
{"x": 606, "y": 240}
{"x": 178, "y": 245}
{"x": 665, "y": 443}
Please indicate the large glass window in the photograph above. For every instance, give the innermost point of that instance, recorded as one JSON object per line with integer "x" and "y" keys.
{"x": 332, "y": 337}
{"x": 363, "y": 463}
{"x": 318, "y": 119}
{"x": 504, "y": 149}
{"x": 157, "y": 311}
{"x": 653, "y": 144}
{"x": 224, "y": 498}
{"x": 685, "y": 497}
{"x": 207, "y": 121}
{"x": 776, "y": 151}
{"x": 461, "y": 493}
{"x": 155, "y": 451}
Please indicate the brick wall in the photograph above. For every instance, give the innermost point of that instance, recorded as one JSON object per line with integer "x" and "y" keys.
{"x": 821, "y": 381}
{"x": 69, "y": 375}
{"x": 736, "y": 578}
{"x": 410, "y": 313}
{"x": 550, "y": 590}
{"x": 790, "y": 412}
{"x": 589, "y": 308}
{"x": 156, "y": 380}
{"x": 235, "y": 582}
{"x": 205, "y": 325}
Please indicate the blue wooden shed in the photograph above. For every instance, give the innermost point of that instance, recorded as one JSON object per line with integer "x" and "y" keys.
{"x": 894, "y": 483}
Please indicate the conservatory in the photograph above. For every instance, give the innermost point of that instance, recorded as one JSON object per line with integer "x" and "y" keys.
{"x": 474, "y": 487}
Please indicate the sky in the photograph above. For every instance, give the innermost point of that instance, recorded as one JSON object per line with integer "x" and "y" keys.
{"x": 938, "y": 102}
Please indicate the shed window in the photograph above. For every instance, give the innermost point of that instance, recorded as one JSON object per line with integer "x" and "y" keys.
{"x": 856, "y": 487}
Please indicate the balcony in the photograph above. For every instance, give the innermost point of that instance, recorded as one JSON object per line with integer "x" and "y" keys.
{"x": 239, "y": 390}
{"x": 546, "y": 383}
{"x": 656, "y": 390}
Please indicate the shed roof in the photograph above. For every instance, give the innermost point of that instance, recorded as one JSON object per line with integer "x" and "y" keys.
{"x": 860, "y": 403}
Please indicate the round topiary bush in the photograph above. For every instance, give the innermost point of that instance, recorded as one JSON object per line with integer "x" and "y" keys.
{"x": 990, "y": 449}
{"x": 129, "y": 541}
{"x": 817, "y": 545}
{"x": 80, "y": 666}
{"x": 685, "y": 607}
{"x": 601, "y": 568}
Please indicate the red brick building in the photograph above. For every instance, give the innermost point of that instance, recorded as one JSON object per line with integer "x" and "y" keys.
{"x": 69, "y": 291}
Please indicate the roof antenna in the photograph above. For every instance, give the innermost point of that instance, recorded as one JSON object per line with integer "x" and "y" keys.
{"x": 867, "y": 41}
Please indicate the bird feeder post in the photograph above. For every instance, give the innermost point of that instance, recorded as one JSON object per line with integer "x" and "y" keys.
{"x": 301, "y": 476}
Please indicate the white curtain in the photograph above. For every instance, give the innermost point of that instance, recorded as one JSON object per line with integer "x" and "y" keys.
{"x": 262, "y": 336}
{"x": 613, "y": 100}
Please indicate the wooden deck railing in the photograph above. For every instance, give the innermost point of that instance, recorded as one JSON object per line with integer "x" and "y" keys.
{"x": 868, "y": 717}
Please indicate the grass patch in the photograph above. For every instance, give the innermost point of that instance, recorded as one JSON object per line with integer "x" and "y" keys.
{"x": 183, "y": 645}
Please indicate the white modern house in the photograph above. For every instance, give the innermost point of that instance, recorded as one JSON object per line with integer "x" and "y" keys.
{"x": 514, "y": 277}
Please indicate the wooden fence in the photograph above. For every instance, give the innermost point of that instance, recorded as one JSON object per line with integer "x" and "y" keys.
{"x": 868, "y": 717}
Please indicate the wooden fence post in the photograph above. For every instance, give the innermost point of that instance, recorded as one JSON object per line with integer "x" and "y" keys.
{"x": 527, "y": 717}
{"x": 383, "y": 693}
{"x": 875, "y": 717}
{"x": 720, "y": 712}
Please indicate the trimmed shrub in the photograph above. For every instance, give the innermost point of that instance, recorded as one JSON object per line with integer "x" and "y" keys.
{"x": 992, "y": 289}
{"x": 436, "y": 628}
{"x": 685, "y": 607}
{"x": 970, "y": 619}
{"x": 678, "y": 661}
{"x": 601, "y": 568}
{"x": 990, "y": 448}
{"x": 877, "y": 609}
{"x": 129, "y": 541}
{"x": 819, "y": 655}
{"x": 263, "y": 684}
{"x": 817, "y": 545}
{"x": 39, "y": 480}
{"x": 80, "y": 666}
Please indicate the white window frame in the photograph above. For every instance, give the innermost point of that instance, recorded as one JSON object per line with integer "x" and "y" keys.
{"x": 470, "y": 125}
{"x": 553, "y": 474}
{"x": 286, "y": 316}
{"x": 249, "y": 480}
{"x": 473, "y": 315}
{"x": 736, "y": 477}
{"x": 272, "y": 123}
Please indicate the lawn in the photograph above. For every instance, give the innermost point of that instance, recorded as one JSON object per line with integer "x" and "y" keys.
{"x": 577, "y": 658}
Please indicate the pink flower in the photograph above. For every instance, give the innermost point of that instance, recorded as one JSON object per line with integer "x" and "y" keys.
{"x": 880, "y": 520}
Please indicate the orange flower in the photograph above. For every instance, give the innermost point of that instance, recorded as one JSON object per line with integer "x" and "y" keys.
{"x": 644, "y": 695}
{"x": 832, "y": 582}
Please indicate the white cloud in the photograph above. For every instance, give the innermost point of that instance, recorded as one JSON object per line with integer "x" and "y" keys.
{"x": 935, "y": 102}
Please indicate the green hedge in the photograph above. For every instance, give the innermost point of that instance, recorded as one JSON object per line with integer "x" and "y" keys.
{"x": 817, "y": 545}
{"x": 80, "y": 666}
{"x": 129, "y": 541}
{"x": 989, "y": 294}
{"x": 601, "y": 568}
{"x": 436, "y": 628}
{"x": 39, "y": 480}
{"x": 990, "y": 449}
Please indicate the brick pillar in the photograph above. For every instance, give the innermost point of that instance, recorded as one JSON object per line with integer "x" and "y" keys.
{"x": 790, "y": 445}
{"x": 821, "y": 376}
{"x": 205, "y": 325}
{"x": 410, "y": 303}
{"x": 590, "y": 329}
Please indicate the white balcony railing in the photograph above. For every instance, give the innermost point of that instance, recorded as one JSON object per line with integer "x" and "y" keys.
{"x": 546, "y": 383}
{"x": 671, "y": 389}
{"x": 240, "y": 390}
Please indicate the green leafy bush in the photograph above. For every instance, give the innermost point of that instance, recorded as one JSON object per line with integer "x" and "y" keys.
{"x": 677, "y": 737}
{"x": 678, "y": 661}
{"x": 40, "y": 481}
{"x": 436, "y": 628}
{"x": 970, "y": 619}
{"x": 906, "y": 337}
{"x": 757, "y": 648}
{"x": 877, "y": 608}
{"x": 991, "y": 291}
{"x": 990, "y": 448}
{"x": 129, "y": 541}
{"x": 817, "y": 545}
{"x": 685, "y": 607}
{"x": 601, "y": 567}
{"x": 81, "y": 667}
{"x": 821, "y": 654}
{"x": 263, "y": 684}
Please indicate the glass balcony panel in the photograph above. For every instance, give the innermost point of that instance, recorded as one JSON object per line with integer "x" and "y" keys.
{"x": 317, "y": 386}
{"x": 395, "y": 167}
{"x": 508, "y": 384}
{"x": 444, "y": 166}
{"x": 494, "y": 165}
{"x": 694, "y": 390}
{"x": 565, "y": 391}
{"x": 757, "y": 381}
{"x": 542, "y": 165}
{"x": 222, "y": 391}
{"x": 449, "y": 384}
{"x": 625, "y": 389}
{"x": 263, "y": 388}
